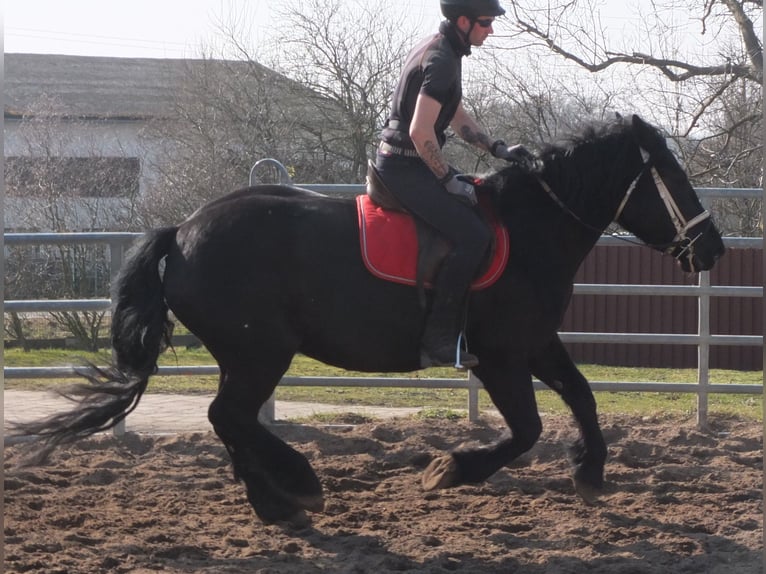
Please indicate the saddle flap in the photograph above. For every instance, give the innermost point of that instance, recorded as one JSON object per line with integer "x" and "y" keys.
{"x": 389, "y": 246}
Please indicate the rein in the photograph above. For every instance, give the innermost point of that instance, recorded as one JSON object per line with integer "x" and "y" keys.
{"x": 681, "y": 244}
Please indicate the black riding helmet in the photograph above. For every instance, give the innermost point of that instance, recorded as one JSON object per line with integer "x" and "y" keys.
{"x": 472, "y": 9}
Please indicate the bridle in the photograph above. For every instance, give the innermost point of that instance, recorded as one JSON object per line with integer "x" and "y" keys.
{"x": 682, "y": 245}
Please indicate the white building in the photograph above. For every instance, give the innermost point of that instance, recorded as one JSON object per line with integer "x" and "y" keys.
{"x": 100, "y": 107}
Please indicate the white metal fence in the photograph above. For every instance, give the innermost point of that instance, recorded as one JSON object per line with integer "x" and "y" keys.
{"x": 703, "y": 339}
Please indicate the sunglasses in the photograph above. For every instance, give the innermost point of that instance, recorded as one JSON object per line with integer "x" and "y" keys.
{"x": 485, "y": 22}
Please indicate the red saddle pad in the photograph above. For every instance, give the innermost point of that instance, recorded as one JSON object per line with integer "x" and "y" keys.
{"x": 390, "y": 246}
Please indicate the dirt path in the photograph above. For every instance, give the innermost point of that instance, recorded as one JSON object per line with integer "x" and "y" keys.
{"x": 677, "y": 501}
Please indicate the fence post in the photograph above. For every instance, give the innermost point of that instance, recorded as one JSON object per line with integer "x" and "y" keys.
{"x": 474, "y": 384}
{"x": 115, "y": 262}
{"x": 267, "y": 414}
{"x": 703, "y": 348}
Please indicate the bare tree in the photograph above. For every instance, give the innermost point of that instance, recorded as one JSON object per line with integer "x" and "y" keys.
{"x": 523, "y": 104}
{"x": 17, "y": 327}
{"x": 701, "y": 84}
{"x": 316, "y": 107}
{"x": 700, "y": 76}
{"x": 350, "y": 55}
{"x": 227, "y": 115}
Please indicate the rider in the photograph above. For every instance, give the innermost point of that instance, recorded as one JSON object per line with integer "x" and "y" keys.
{"x": 409, "y": 160}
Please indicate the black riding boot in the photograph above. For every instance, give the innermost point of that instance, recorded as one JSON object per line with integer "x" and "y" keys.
{"x": 439, "y": 345}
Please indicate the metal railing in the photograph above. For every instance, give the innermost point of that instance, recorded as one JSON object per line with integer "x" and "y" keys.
{"x": 703, "y": 339}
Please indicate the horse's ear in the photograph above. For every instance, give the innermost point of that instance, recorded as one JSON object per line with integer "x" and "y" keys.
{"x": 618, "y": 116}
{"x": 643, "y": 131}
{"x": 639, "y": 125}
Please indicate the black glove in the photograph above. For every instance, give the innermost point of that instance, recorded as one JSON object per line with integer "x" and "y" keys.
{"x": 514, "y": 154}
{"x": 460, "y": 186}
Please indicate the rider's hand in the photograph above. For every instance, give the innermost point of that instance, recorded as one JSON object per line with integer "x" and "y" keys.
{"x": 461, "y": 187}
{"x": 515, "y": 153}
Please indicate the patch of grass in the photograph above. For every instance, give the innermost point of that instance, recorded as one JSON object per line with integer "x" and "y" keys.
{"x": 52, "y": 358}
{"x": 662, "y": 404}
{"x": 440, "y": 413}
{"x": 335, "y": 419}
{"x": 642, "y": 404}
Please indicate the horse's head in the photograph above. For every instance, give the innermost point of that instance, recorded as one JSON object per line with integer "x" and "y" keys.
{"x": 662, "y": 208}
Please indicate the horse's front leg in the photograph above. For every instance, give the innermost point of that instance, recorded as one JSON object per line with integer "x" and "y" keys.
{"x": 556, "y": 369}
{"x": 510, "y": 388}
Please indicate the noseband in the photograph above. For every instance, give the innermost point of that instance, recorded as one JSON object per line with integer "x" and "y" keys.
{"x": 682, "y": 245}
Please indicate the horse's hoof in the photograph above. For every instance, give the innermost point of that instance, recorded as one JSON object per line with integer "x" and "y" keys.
{"x": 589, "y": 493}
{"x": 275, "y": 507}
{"x": 441, "y": 473}
{"x": 298, "y": 520}
{"x": 311, "y": 503}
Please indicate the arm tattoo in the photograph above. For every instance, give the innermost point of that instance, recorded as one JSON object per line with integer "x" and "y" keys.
{"x": 433, "y": 158}
{"x": 477, "y": 138}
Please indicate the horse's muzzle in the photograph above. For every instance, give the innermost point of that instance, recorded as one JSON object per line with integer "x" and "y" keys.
{"x": 695, "y": 259}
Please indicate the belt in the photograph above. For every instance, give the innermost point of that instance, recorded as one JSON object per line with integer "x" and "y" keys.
{"x": 387, "y": 148}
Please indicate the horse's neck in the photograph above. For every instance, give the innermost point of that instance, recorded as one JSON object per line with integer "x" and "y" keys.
{"x": 587, "y": 197}
{"x": 582, "y": 213}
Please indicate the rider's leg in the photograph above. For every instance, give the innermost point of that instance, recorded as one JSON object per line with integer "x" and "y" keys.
{"x": 421, "y": 193}
{"x": 443, "y": 323}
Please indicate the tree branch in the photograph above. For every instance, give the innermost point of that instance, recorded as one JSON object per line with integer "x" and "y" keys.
{"x": 707, "y": 102}
{"x": 752, "y": 43}
{"x": 665, "y": 65}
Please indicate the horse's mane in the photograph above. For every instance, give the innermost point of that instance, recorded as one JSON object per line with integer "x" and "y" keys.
{"x": 598, "y": 142}
{"x": 594, "y": 132}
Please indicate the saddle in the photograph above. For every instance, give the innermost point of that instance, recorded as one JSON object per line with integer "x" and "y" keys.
{"x": 399, "y": 247}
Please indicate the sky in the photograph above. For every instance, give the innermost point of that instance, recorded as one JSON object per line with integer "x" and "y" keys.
{"x": 181, "y": 28}
{"x": 139, "y": 28}
{"x": 147, "y": 28}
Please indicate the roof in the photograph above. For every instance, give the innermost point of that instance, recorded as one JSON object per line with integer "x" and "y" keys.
{"x": 94, "y": 87}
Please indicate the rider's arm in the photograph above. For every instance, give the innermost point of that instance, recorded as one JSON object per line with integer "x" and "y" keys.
{"x": 467, "y": 128}
{"x": 424, "y": 137}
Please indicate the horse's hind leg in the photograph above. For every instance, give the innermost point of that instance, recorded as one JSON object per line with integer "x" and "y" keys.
{"x": 556, "y": 369}
{"x": 279, "y": 480}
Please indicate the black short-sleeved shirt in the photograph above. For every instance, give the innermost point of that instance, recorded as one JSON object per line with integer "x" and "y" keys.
{"x": 433, "y": 67}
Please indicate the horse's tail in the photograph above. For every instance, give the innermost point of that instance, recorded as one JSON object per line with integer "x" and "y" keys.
{"x": 140, "y": 330}
{"x": 140, "y": 325}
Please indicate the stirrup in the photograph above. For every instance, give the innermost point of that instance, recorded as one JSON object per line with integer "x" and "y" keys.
{"x": 473, "y": 361}
{"x": 442, "y": 357}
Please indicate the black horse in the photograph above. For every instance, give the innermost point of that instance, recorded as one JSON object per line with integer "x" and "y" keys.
{"x": 267, "y": 272}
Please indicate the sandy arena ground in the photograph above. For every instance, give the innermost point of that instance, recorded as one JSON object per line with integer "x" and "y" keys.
{"x": 677, "y": 501}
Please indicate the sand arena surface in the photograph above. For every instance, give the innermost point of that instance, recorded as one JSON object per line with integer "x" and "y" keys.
{"x": 677, "y": 501}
